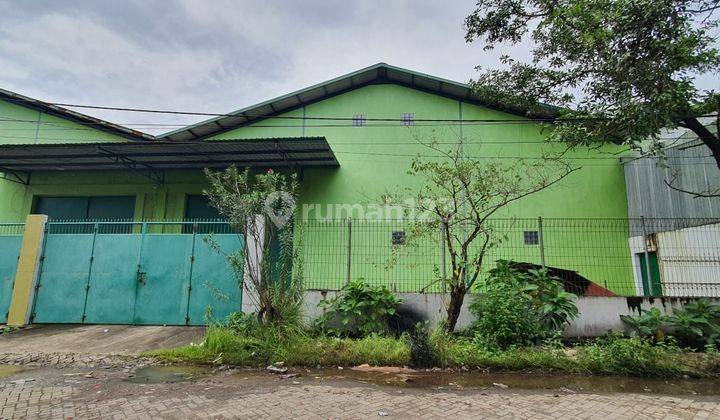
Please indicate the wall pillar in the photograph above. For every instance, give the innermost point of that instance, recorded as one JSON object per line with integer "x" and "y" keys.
{"x": 28, "y": 270}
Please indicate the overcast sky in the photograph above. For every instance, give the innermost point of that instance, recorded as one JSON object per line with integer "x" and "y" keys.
{"x": 218, "y": 56}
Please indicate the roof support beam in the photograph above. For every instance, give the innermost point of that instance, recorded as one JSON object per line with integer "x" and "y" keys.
{"x": 158, "y": 177}
{"x": 15, "y": 176}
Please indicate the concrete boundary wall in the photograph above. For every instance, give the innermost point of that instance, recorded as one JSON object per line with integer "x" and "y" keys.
{"x": 598, "y": 315}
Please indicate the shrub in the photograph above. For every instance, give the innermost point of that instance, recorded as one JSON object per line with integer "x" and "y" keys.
{"x": 358, "y": 311}
{"x": 696, "y": 326}
{"x": 648, "y": 324}
{"x": 505, "y": 316}
{"x": 555, "y": 307}
{"x": 520, "y": 308}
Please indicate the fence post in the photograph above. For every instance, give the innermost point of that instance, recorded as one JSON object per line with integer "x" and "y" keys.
{"x": 96, "y": 228}
{"x": 648, "y": 274}
{"x": 541, "y": 242}
{"x": 192, "y": 267}
{"x": 349, "y": 250}
{"x": 28, "y": 270}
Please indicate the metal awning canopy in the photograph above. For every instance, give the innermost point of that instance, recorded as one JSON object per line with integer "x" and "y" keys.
{"x": 158, "y": 155}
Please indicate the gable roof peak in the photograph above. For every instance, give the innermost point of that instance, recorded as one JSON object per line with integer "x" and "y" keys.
{"x": 374, "y": 74}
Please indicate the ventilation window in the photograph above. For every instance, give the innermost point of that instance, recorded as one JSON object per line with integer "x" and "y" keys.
{"x": 407, "y": 119}
{"x": 531, "y": 237}
{"x": 359, "y": 120}
{"x": 398, "y": 237}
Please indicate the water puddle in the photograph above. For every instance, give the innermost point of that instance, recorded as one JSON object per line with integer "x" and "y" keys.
{"x": 167, "y": 374}
{"x": 9, "y": 370}
{"x": 554, "y": 382}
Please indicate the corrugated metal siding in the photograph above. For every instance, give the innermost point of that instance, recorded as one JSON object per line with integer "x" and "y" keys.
{"x": 649, "y": 197}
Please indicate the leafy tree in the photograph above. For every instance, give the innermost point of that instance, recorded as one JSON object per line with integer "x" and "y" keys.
{"x": 260, "y": 207}
{"x": 458, "y": 197}
{"x": 626, "y": 67}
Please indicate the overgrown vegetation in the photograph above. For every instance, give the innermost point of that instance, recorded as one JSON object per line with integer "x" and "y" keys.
{"x": 520, "y": 308}
{"x": 359, "y": 310}
{"x": 610, "y": 355}
{"x": 696, "y": 326}
{"x": 521, "y": 333}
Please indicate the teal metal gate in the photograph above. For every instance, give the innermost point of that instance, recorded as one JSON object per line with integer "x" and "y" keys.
{"x": 10, "y": 242}
{"x": 156, "y": 273}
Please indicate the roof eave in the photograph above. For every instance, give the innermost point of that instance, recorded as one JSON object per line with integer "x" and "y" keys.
{"x": 74, "y": 116}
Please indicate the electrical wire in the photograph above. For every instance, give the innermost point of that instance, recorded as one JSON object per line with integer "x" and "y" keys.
{"x": 305, "y": 118}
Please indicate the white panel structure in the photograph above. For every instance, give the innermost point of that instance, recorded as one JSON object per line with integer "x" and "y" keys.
{"x": 690, "y": 261}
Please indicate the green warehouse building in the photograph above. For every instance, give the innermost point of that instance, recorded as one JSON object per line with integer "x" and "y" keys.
{"x": 350, "y": 139}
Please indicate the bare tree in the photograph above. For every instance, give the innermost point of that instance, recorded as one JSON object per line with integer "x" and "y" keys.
{"x": 459, "y": 196}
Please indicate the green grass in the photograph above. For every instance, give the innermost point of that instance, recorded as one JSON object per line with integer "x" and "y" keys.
{"x": 223, "y": 345}
{"x": 606, "y": 356}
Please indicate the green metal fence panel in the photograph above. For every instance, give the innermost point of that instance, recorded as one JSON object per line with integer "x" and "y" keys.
{"x": 215, "y": 287}
{"x": 163, "y": 279}
{"x": 113, "y": 279}
{"x": 61, "y": 293}
{"x": 9, "y": 253}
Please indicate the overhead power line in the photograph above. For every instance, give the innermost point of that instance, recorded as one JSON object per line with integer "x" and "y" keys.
{"x": 322, "y": 118}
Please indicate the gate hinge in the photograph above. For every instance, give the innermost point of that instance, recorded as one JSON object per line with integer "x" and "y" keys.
{"x": 87, "y": 287}
{"x": 187, "y": 319}
{"x": 37, "y": 287}
{"x": 92, "y": 258}
{"x": 189, "y": 287}
{"x": 192, "y": 258}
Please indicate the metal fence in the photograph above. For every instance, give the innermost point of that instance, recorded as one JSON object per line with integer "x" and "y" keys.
{"x": 594, "y": 257}
{"x": 623, "y": 257}
{"x": 127, "y": 226}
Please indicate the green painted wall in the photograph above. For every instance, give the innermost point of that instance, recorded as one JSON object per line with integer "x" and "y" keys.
{"x": 21, "y": 125}
{"x": 374, "y": 158}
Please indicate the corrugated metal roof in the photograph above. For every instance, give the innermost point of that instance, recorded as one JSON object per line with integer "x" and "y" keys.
{"x": 67, "y": 114}
{"x": 270, "y": 152}
{"x": 378, "y": 73}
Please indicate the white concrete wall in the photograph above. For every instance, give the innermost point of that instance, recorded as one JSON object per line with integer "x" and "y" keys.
{"x": 598, "y": 315}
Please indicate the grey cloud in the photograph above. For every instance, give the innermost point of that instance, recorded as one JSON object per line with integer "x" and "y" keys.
{"x": 221, "y": 55}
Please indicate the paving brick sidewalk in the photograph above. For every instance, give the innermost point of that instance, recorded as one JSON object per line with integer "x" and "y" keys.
{"x": 58, "y": 393}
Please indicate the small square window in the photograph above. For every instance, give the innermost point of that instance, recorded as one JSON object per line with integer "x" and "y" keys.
{"x": 359, "y": 120}
{"x": 531, "y": 237}
{"x": 407, "y": 119}
{"x": 398, "y": 237}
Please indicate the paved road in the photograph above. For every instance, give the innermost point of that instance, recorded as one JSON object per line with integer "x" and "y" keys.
{"x": 97, "y": 339}
{"x": 86, "y": 372}
{"x": 50, "y": 392}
